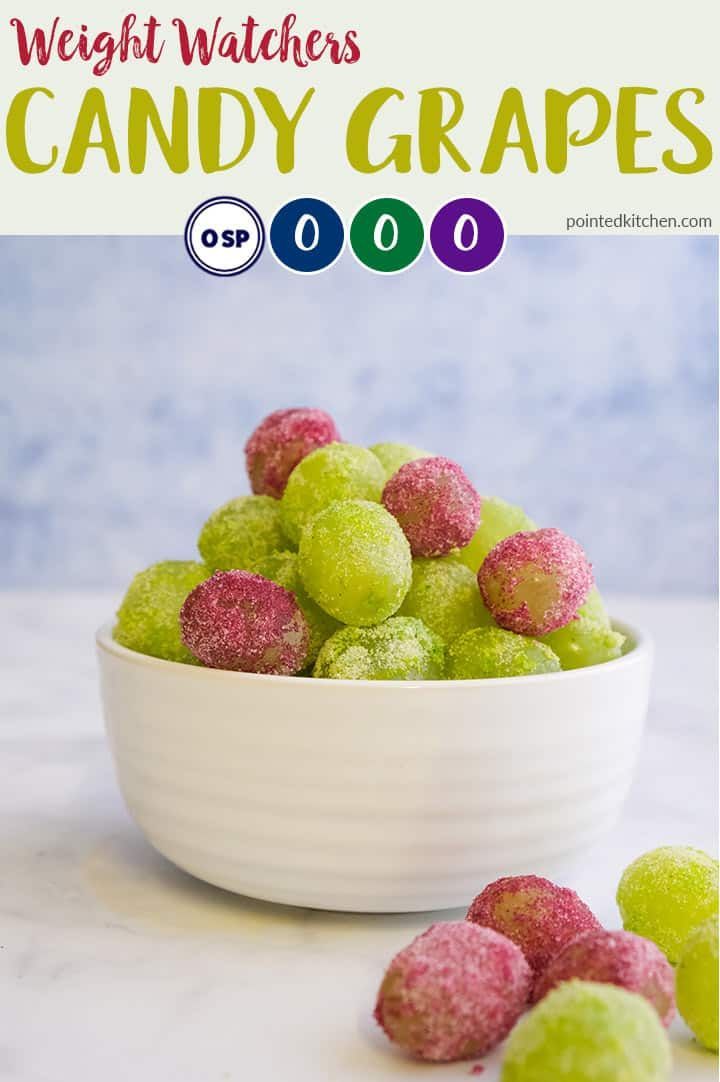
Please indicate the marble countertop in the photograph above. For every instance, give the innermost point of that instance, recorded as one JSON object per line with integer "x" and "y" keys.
{"x": 116, "y": 966}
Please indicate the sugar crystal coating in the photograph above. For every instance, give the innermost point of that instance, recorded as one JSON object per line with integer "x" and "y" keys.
{"x": 588, "y": 1032}
{"x": 282, "y": 440}
{"x": 697, "y": 983}
{"x": 148, "y": 618}
{"x": 666, "y": 893}
{"x": 435, "y": 503}
{"x": 584, "y": 642}
{"x": 355, "y": 562}
{"x": 594, "y": 608}
{"x": 444, "y": 595}
{"x": 535, "y": 913}
{"x": 535, "y": 582}
{"x": 237, "y": 620}
{"x": 621, "y": 958}
{"x": 486, "y": 652}
{"x": 453, "y": 993}
{"x": 394, "y": 455}
{"x": 401, "y": 648}
{"x": 282, "y": 568}
{"x": 241, "y": 532}
{"x": 498, "y": 520}
{"x": 340, "y": 471}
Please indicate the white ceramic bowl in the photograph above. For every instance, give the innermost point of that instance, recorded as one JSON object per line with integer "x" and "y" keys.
{"x": 371, "y": 796}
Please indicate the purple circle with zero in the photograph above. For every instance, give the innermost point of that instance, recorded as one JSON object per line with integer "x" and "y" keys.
{"x": 467, "y": 235}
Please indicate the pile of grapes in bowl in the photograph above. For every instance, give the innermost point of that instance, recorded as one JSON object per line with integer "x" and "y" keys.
{"x": 380, "y": 563}
{"x": 354, "y": 699}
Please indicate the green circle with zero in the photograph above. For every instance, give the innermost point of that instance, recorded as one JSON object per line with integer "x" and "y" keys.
{"x": 387, "y": 235}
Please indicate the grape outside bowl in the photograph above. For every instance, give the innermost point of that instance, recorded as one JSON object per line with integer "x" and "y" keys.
{"x": 371, "y": 796}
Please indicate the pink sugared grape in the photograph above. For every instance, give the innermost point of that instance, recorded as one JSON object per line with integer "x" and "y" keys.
{"x": 435, "y": 503}
{"x": 620, "y": 958}
{"x": 536, "y": 914}
{"x": 453, "y": 993}
{"x": 535, "y": 582}
{"x": 238, "y": 620}
{"x": 280, "y": 442}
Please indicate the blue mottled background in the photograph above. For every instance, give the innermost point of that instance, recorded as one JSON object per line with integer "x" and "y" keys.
{"x": 578, "y": 378}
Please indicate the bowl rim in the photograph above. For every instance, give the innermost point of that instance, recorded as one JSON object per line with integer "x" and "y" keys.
{"x": 642, "y": 649}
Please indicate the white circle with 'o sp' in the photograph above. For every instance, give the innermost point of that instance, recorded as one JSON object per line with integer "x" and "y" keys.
{"x": 224, "y": 236}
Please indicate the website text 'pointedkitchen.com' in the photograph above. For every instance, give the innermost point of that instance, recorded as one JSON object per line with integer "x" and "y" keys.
{"x": 636, "y": 221}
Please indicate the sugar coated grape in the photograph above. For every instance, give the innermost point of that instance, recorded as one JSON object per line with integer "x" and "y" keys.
{"x": 282, "y": 568}
{"x": 339, "y": 471}
{"x": 587, "y": 1032}
{"x": 237, "y": 620}
{"x": 241, "y": 532}
{"x": 584, "y": 642}
{"x": 435, "y": 504}
{"x": 536, "y": 914}
{"x": 487, "y": 652}
{"x": 148, "y": 618}
{"x": 666, "y": 893}
{"x": 697, "y": 983}
{"x": 498, "y": 520}
{"x": 399, "y": 649}
{"x": 444, "y": 595}
{"x": 355, "y": 562}
{"x": 394, "y": 455}
{"x": 454, "y": 993}
{"x": 280, "y": 442}
{"x": 594, "y": 608}
{"x": 535, "y": 582}
{"x": 620, "y": 958}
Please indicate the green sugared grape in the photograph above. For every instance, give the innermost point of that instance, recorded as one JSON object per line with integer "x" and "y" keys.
{"x": 594, "y": 608}
{"x": 584, "y": 642}
{"x": 486, "y": 652}
{"x": 282, "y": 568}
{"x": 666, "y": 893}
{"x": 588, "y": 1032}
{"x": 355, "y": 562}
{"x": 339, "y": 471}
{"x": 148, "y": 618}
{"x": 394, "y": 455}
{"x": 498, "y": 520}
{"x": 399, "y": 649}
{"x": 241, "y": 532}
{"x": 696, "y": 983}
{"x": 444, "y": 594}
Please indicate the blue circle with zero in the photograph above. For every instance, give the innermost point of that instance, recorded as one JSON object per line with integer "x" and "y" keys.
{"x": 307, "y": 235}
